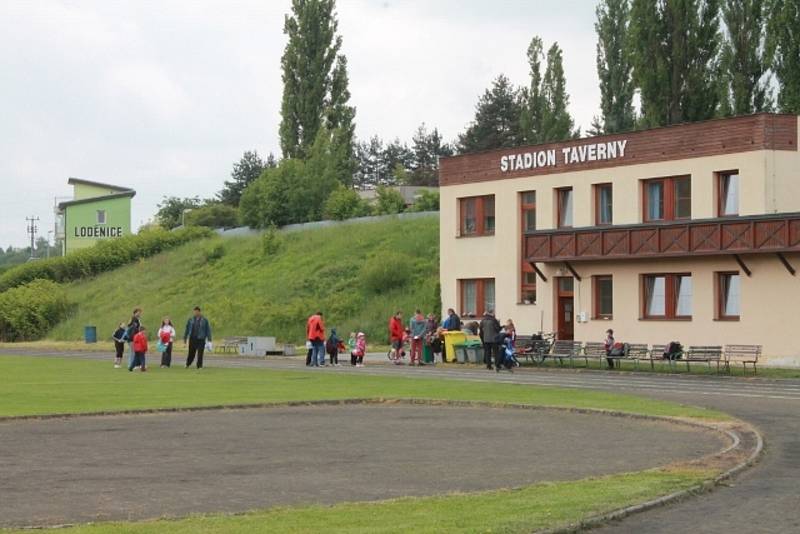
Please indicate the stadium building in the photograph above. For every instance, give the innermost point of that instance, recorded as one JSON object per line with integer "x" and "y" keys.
{"x": 688, "y": 232}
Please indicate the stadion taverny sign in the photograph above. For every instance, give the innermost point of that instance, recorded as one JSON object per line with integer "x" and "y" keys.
{"x": 569, "y": 156}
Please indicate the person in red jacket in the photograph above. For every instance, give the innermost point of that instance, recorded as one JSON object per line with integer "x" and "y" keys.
{"x": 396, "y": 334}
{"x": 139, "y": 349}
{"x": 315, "y": 333}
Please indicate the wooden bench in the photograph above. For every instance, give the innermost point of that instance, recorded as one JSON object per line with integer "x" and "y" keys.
{"x": 703, "y": 353}
{"x": 656, "y": 354}
{"x": 533, "y": 350}
{"x": 565, "y": 349}
{"x": 593, "y": 350}
{"x": 637, "y": 352}
{"x": 232, "y": 343}
{"x": 743, "y": 354}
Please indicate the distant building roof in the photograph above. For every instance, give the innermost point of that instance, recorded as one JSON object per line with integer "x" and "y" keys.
{"x": 81, "y": 181}
{"x": 121, "y": 192}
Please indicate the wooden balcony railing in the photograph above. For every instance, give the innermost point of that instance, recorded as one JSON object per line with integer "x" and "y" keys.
{"x": 702, "y": 237}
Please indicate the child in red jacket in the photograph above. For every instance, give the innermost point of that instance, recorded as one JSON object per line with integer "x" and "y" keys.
{"x": 139, "y": 349}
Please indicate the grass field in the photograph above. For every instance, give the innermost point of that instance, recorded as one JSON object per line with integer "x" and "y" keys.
{"x": 38, "y": 385}
{"x": 245, "y": 291}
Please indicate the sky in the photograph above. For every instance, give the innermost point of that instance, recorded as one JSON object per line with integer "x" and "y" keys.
{"x": 164, "y": 96}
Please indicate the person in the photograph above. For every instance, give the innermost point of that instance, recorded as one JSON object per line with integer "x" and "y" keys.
{"x": 452, "y": 323}
{"x": 315, "y": 333}
{"x": 608, "y": 344}
{"x": 166, "y": 334}
{"x": 198, "y": 333}
{"x": 436, "y": 341}
{"x": 139, "y": 350}
{"x": 133, "y": 328}
{"x": 357, "y": 354}
{"x": 351, "y": 342}
{"x": 396, "y": 334}
{"x": 119, "y": 344}
{"x": 332, "y": 347}
{"x": 418, "y": 326}
{"x": 310, "y": 349}
{"x": 489, "y": 328}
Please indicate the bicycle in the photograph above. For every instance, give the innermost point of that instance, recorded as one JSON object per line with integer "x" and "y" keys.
{"x": 541, "y": 347}
{"x": 398, "y": 359}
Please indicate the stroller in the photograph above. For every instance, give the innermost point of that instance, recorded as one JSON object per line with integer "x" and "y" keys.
{"x": 506, "y": 352}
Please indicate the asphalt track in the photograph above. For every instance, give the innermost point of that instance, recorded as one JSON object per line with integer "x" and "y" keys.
{"x": 763, "y": 499}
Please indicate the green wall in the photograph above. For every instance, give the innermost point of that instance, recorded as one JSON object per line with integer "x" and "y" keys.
{"x": 82, "y": 230}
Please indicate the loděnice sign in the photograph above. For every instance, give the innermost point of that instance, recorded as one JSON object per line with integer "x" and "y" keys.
{"x": 569, "y": 155}
{"x": 98, "y": 231}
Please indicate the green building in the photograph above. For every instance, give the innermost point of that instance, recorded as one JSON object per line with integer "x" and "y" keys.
{"x": 97, "y": 211}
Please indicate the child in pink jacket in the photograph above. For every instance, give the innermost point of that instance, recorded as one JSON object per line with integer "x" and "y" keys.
{"x": 357, "y": 355}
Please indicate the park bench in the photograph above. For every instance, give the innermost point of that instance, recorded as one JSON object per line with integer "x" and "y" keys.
{"x": 743, "y": 354}
{"x": 231, "y": 344}
{"x": 637, "y": 352}
{"x": 533, "y": 350}
{"x": 569, "y": 350}
{"x": 703, "y": 353}
{"x": 594, "y": 350}
{"x": 656, "y": 354}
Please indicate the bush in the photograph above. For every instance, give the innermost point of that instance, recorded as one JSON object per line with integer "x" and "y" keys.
{"x": 344, "y": 203}
{"x": 213, "y": 216}
{"x": 427, "y": 201}
{"x": 383, "y": 274}
{"x": 214, "y": 253}
{"x": 102, "y": 257}
{"x": 389, "y": 201}
{"x": 27, "y": 312}
{"x": 271, "y": 241}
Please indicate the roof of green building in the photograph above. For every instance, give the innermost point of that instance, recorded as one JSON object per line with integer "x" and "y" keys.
{"x": 121, "y": 192}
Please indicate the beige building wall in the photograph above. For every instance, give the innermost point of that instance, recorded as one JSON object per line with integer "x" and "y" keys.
{"x": 769, "y": 183}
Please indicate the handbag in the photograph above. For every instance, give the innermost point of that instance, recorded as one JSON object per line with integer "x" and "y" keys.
{"x": 160, "y": 346}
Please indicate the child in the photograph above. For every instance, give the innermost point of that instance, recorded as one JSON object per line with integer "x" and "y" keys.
{"x": 609, "y": 345}
{"x": 357, "y": 356}
{"x": 139, "y": 349}
{"x": 508, "y": 360}
{"x": 119, "y": 344}
{"x": 166, "y": 336}
{"x": 332, "y": 347}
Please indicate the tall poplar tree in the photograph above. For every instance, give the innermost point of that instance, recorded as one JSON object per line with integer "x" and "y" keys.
{"x": 744, "y": 59}
{"x": 307, "y": 61}
{"x": 675, "y": 52}
{"x": 533, "y": 106}
{"x": 614, "y": 67}
{"x": 784, "y": 36}
{"x": 557, "y": 123}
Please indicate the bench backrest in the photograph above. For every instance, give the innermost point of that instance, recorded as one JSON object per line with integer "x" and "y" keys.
{"x": 567, "y": 347}
{"x": 637, "y": 350}
{"x": 705, "y": 351}
{"x": 594, "y": 348}
{"x": 742, "y": 352}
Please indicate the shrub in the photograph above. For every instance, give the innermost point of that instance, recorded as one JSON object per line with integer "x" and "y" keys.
{"x": 27, "y": 312}
{"x": 344, "y": 203}
{"x": 271, "y": 241}
{"x": 389, "y": 201}
{"x": 214, "y": 253}
{"x": 383, "y": 274}
{"x": 102, "y": 257}
{"x": 213, "y": 216}
{"x": 427, "y": 201}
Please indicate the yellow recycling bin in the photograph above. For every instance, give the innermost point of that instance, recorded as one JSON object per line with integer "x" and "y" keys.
{"x": 450, "y": 339}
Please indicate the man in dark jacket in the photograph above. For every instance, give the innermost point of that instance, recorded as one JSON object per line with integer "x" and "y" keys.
{"x": 198, "y": 331}
{"x": 489, "y": 329}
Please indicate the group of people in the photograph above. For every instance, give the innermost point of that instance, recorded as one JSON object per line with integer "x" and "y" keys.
{"x": 134, "y": 334}
{"x": 318, "y": 344}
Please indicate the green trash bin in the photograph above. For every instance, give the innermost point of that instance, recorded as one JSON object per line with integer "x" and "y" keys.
{"x": 427, "y": 354}
{"x": 90, "y": 334}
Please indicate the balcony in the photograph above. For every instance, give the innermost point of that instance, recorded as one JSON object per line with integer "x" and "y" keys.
{"x": 702, "y": 237}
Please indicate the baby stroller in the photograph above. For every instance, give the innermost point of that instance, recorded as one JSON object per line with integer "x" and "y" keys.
{"x": 506, "y": 355}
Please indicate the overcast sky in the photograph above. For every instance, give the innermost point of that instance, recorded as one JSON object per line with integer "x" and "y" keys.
{"x": 164, "y": 96}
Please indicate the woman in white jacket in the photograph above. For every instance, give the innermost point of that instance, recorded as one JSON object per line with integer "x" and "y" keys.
{"x": 166, "y": 336}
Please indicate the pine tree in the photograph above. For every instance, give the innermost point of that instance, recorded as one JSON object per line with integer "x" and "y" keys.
{"x": 674, "y": 52}
{"x": 307, "y": 60}
{"x": 531, "y": 116}
{"x": 557, "y": 123}
{"x": 614, "y": 68}
{"x": 244, "y": 172}
{"x": 497, "y": 119}
{"x": 784, "y": 37}
{"x": 427, "y": 148}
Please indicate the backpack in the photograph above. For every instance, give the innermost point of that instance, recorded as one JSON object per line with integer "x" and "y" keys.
{"x": 618, "y": 349}
{"x": 674, "y": 351}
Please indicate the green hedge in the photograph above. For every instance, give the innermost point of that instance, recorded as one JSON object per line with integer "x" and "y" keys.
{"x": 102, "y": 257}
{"x": 27, "y": 312}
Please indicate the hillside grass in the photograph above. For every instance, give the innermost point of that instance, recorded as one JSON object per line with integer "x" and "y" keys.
{"x": 357, "y": 274}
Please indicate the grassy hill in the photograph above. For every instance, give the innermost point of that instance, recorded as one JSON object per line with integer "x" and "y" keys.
{"x": 357, "y": 274}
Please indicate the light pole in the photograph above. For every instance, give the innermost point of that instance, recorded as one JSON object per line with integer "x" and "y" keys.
{"x": 183, "y": 215}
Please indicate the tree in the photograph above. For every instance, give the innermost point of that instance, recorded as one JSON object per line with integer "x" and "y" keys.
{"x": 275, "y": 198}
{"x": 743, "y": 59}
{"x": 497, "y": 119}
{"x": 533, "y": 107}
{"x": 427, "y": 148}
{"x": 344, "y": 203}
{"x": 309, "y": 56}
{"x": 340, "y": 118}
{"x": 426, "y": 201}
{"x": 674, "y": 52}
{"x": 389, "y": 201}
{"x": 368, "y": 156}
{"x": 213, "y": 215}
{"x": 322, "y": 174}
{"x": 244, "y": 172}
{"x": 171, "y": 210}
{"x": 614, "y": 68}
{"x": 784, "y": 41}
{"x": 557, "y": 123}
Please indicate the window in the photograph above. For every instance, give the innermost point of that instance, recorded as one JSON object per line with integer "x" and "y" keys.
{"x": 728, "y": 296}
{"x": 477, "y": 215}
{"x": 477, "y": 296}
{"x": 564, "y": 207}
{"x": 667, "y": 199}
{"x": 667, "y": 296}
{"x": 603, "y": 204}
{"x": 728, "y": 187}
{"x": 101, "y": 216}
{"x": 528, "y": 293}
{"x": 603, "y": 296}
{"x": 528, "y": 207}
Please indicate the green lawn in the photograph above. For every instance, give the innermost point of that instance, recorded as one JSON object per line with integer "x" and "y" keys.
{"x": 61, "y": 385}
{"x": 32, "y": 386}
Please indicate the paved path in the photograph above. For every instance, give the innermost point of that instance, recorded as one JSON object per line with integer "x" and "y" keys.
{"x": 764, "y": 499}
{"x": 84, "y": 469}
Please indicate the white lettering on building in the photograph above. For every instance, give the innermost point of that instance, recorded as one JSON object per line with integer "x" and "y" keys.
{"x": 569, "y": 156}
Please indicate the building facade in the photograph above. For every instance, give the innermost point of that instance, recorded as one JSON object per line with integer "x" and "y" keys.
{"x": 97, "y": 211}
{"x": 688, "y": 232}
